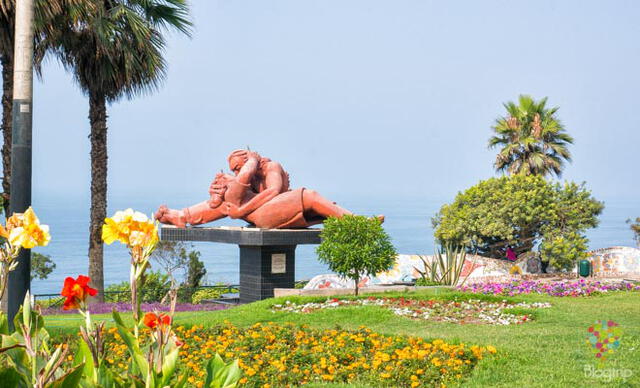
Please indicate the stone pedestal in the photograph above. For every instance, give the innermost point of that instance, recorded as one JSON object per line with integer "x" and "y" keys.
{"x": 267, "y": 256}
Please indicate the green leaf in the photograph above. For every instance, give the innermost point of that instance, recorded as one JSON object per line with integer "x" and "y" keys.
{"x": 4, "y": 324}
{"x": 132, "y": 343}
{"x": 169, "y": 366}
{"x": 11, "y": 378}
{"x": 26, "y": 310}
{"x": 71, "y": 379}
{"x": 83, "y": 356}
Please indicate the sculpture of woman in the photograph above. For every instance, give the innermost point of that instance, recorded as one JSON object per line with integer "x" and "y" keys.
{"x": 259, "y": 194}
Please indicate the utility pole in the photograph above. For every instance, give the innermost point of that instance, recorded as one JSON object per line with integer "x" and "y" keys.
{"x": 20, "y": 196}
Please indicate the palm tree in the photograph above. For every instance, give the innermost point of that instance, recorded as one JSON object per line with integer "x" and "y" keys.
{"x": 114, "y": 49}
{"x": 532, "y": 139}
{"x": 7, "y": 27}
{"x": 45, "y": 13}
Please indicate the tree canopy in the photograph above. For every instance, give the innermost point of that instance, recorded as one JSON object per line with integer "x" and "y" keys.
{"x": 524, "y": 213}
{"x": 354, "y": 246}
{"x": 531, "y": 138}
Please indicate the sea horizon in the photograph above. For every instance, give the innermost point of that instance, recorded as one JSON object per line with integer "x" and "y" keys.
{"x": 408, "y": 222}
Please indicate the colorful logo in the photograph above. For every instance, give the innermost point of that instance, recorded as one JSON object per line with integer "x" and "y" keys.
{"x": 604, "y": 338}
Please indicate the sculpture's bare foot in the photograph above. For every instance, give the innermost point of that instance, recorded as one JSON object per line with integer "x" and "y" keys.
{"x": 170, "y": 216}
{"x": 380, "y": 218}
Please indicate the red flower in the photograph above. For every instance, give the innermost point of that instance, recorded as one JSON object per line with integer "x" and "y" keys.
{"x": 76, "y": 291}
{"x": 152, "y": 320}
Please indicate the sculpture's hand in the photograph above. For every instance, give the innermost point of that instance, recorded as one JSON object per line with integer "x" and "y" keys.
{"x": 216, "y": 188}
{"x": 232, "y": 210}
{"x": 253, "y": 155}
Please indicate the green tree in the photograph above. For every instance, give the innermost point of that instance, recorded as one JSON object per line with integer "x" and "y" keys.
{"x": 114, "y": 49}
{"x": 635, "y": 228}
{"x": 355, "y": 246}
{"x": 41, "y": 266}
{"x": 531, "y": 138}
{"x": 524, "y": 213}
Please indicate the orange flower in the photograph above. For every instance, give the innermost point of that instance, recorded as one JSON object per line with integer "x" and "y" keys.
{"x": 152, "y": 320}
{"x": 76, "y": 291}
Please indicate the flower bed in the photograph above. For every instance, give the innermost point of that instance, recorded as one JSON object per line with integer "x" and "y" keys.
{"x": 107, "y": 308}
{"x": 575, "y": 288}
{"x": 463, "y": 312}
{"x": 282, "y": 355}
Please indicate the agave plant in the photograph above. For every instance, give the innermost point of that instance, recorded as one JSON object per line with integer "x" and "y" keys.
{"x": 445, "y": 269}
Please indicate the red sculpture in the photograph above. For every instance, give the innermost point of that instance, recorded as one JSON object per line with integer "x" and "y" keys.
{"x": 259, "y": 193}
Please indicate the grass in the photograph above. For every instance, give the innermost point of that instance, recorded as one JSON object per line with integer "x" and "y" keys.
{"x": 548, "y": 352}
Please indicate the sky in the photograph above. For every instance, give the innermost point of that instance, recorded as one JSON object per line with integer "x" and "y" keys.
{"x": 358, "y": 98}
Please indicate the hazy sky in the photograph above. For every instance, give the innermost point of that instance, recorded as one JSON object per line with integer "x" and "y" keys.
{"x": 359, "y": 98}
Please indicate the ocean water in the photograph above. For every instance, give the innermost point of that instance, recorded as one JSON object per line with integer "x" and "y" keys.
{"x": 408, "y": 222}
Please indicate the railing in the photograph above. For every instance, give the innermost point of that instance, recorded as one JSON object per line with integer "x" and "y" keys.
{"x": 55, "y": 300}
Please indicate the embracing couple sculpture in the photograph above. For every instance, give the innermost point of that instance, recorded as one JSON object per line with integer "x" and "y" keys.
{"x": 258, "y": 193}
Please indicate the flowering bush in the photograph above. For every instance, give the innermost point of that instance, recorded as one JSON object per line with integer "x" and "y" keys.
{"x": 580, "y": 287}
{"x": 470, "y": 311}
{"x": 28, "y": 360}
{"x": 22, "y": 230}
{"x": 281, "y": 355}
{"x": 122, "y": 307}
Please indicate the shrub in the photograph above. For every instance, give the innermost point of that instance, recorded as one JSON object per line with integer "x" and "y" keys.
{"x": 210, "y": 293}
{"x": 41, "y": 266}
{"x": 635, "y": 228}
{"x": 521, "y": 212}
{"x": 354, "y": 246}
{"x": 155, "y": 287}
{"x": 426, "y": 282}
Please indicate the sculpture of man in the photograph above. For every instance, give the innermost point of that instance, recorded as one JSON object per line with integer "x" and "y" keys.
{"x": 259, "y": 194}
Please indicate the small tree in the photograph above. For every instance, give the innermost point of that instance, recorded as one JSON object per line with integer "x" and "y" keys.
{"x": 635, "y": 227}
{"x": 354, "y": 246}
{"x": 41, "y": 266}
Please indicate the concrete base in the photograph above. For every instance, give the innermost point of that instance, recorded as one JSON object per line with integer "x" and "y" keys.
{"x": 263, "y": 268}
{"x": 267, "y": 256}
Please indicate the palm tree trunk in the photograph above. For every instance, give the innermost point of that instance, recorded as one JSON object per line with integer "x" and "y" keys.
{"x": 7, "y": 125}
{"x": 98, "y": 138}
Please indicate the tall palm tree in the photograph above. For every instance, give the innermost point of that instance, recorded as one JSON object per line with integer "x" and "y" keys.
{"x": 532, "y": 139}
{"x": 114, "y": 49}
{"x": 46, "y": 11}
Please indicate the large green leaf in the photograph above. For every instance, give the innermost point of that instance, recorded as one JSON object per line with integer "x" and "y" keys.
{"x": 71, "y": 379}
{"x": 10, "y": 377}
{"x": 83, "y": 356}
{"x": 132, "y": 343}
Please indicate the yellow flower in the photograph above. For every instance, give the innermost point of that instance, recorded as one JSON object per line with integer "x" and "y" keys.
{"x": 491, "y": 349}
{"x": 131, "y": 228}
{"x": 26, "y": 231}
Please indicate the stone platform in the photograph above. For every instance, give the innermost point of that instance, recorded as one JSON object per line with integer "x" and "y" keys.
{"x": 267, "y": 256}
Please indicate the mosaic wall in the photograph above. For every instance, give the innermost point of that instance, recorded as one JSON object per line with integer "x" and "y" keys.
{"x": 615, "y": 260}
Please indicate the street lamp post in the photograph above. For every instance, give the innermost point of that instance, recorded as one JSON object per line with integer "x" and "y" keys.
{"x": 20, "y": 196}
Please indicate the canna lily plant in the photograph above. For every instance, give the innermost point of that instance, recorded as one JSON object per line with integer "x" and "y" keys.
{"x": 90, "y": 355}
{"x": 140, "y": 235}
{"x": 32, "y": 361}
{"x": 22, "y": 230}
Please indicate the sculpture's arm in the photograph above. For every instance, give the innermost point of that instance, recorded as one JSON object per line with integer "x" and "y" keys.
{"x": 248, "y": 171}
{"x": 274, "y": 185}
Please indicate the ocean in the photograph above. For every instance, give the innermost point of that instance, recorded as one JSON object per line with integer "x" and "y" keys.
{"x": 408, "y": 222}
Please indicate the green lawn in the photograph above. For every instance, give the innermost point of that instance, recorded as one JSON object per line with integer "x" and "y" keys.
{"x": 548, "y": 352}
